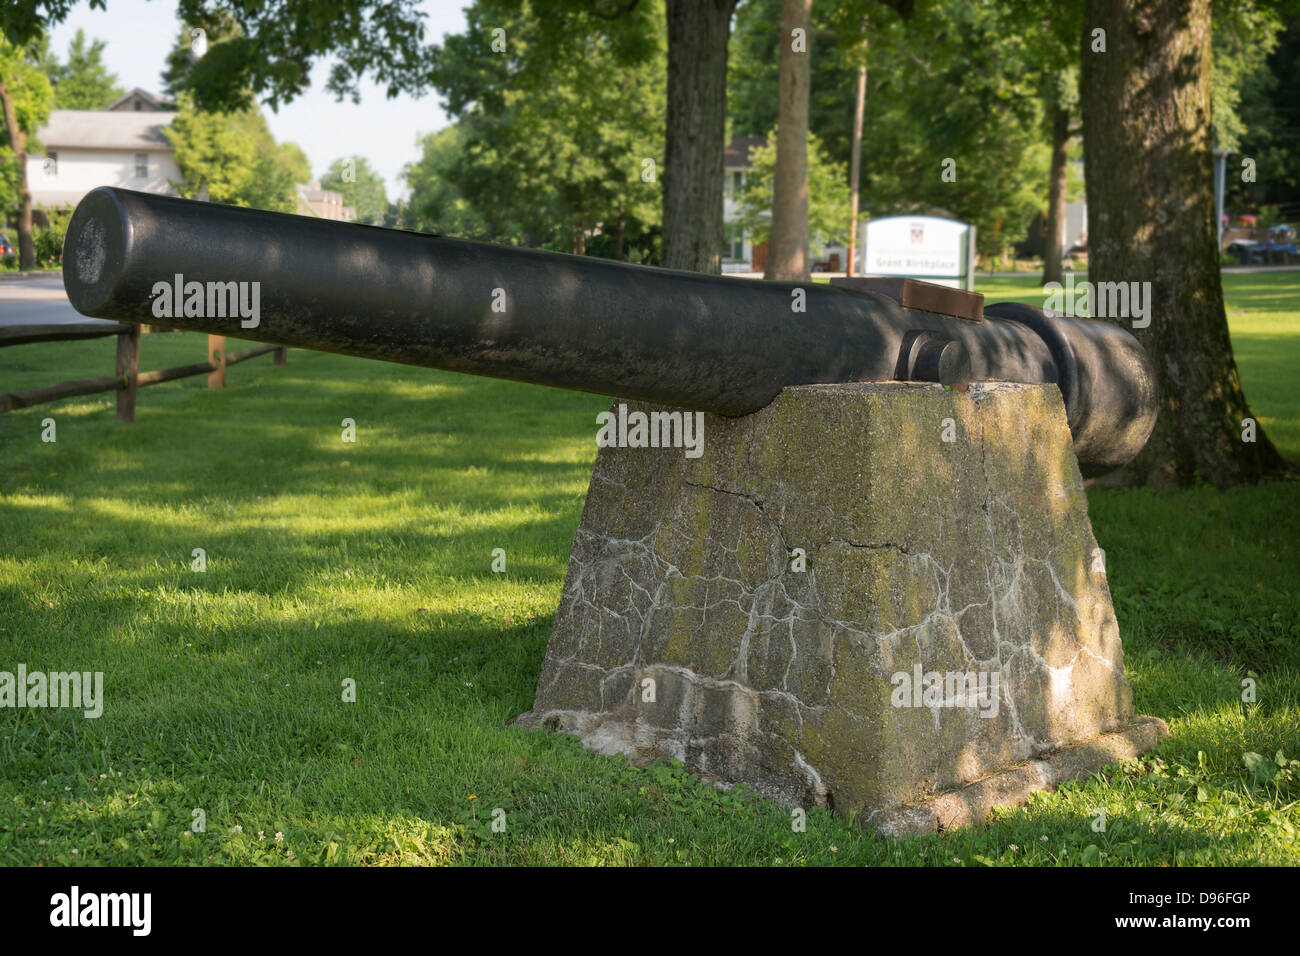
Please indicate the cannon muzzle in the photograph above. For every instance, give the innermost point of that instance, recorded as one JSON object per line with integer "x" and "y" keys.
{"x": 699, "y": 342}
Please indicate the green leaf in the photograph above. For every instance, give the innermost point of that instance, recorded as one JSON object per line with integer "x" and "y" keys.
{"x": 1258, "y": 765}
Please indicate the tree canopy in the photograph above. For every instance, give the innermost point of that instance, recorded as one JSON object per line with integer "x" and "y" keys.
{"x": 29, "y": 93}
{"x": 436, "y": 204}
{"x": 233, "y": 158}
{"x": 83, "y": 82}
{"x": 951, "y": 82}
{"x": 226, "y": 156}
{"x": 360, "y": 185}
{"x": 560, "y": 127}
{"x": 828, "y": 190}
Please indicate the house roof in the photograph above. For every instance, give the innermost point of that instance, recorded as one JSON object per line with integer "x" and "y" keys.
{"x": 147, "y": 100}
{"x": 100, "y": 129}
{"x": 305, "y": 208}
{"x": 737, "y": 152}
{"x": 312, "y": 191}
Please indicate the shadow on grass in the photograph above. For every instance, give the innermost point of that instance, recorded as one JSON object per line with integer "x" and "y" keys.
{"x": 241, "y": 706}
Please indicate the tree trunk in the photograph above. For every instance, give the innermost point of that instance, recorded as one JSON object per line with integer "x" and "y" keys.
{"x": 698, "y": 31}
{"x": 18, "y": 140}
{"x": 1146, "y": 103}
{"x": 855, "y": 166}
{"x": 788, "y": 258}
{"x": 621, "y": 234}
{"x": 1054, "y": 247}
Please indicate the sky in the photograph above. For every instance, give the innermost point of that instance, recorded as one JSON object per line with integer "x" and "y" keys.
{"x": 140, "y": 32}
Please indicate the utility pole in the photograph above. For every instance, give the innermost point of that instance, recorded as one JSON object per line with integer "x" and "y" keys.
{"x": 855, "y": 163}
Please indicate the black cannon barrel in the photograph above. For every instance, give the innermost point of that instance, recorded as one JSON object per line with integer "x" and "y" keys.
{"x": 694, "y": 341}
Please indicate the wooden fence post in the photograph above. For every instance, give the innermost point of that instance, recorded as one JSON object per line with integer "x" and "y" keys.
{"x": 281, "y": 355}
{"x": 217, "y": 356}
{"x": 128, "y": 366}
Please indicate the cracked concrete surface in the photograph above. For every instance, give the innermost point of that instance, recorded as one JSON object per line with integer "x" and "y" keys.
{"x": 684, "y": 630}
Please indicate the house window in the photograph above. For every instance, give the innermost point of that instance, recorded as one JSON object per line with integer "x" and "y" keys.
{"x": 141, "y": 165}
{"x": 52, "y": 164}
{"x": 733, "y": 243}
{"x": 733, "y": 183}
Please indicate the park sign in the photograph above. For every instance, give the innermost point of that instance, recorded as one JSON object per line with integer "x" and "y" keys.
{"x": 937, "y": 250}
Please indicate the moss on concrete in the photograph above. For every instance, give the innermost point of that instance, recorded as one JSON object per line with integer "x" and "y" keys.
{"x": 945, "y": 533}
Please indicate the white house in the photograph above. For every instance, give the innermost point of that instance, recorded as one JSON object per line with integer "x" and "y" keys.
{"x": 739, "y": 254}
{"x": 123, "y": 145}
{"x": 737, "y": 250}
{"x": 89, "y": 148}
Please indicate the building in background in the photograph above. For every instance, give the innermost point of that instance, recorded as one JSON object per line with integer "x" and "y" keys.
{"x": 738, "y": 253}
{"x": 121, "y": 146}
{"x": 325, "y": 203}
{"x": 124, "y": 146}
{"x": 140, "y": 101}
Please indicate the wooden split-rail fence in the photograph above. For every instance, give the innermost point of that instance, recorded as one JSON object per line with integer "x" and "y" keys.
{"x": 127, "y": 378}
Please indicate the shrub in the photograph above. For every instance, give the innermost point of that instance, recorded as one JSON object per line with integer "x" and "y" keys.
{"x": 49, "y": 246}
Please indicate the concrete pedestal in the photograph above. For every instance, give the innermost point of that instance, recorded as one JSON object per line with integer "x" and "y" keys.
{"x": 881, "y": 598}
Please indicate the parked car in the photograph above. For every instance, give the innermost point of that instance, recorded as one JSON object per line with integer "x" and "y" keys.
{"x": 7, "y": 248}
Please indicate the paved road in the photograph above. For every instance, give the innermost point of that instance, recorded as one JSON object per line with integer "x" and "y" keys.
{"x": 36, "y": 300}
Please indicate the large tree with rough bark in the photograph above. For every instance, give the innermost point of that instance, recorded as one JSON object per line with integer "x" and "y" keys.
{"x": 1145, "y": 89}
{"x": 695, "y": 139}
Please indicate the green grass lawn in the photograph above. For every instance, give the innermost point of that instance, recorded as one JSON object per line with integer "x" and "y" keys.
{"x": 372, "y": 562}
